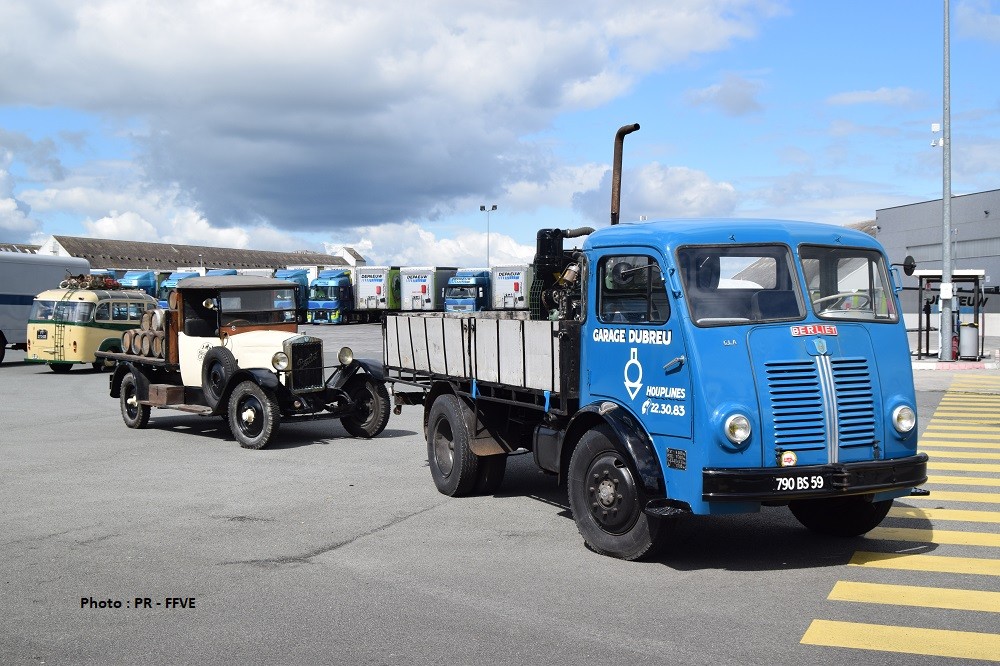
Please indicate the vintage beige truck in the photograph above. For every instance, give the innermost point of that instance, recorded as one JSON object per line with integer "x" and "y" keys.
{"x": 229, "y": 346}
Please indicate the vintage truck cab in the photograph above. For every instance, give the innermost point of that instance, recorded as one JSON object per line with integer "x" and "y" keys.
{"x": 229, "y": 346}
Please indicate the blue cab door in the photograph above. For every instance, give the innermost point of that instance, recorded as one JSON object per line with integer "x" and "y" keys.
{"x": 633, "y": 351}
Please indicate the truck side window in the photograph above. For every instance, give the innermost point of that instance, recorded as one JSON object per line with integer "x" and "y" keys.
{"x": 103, "y": 311}
{"x": 632, "y": 291}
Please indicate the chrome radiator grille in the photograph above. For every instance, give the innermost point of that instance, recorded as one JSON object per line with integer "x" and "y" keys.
{"x": 305, "y": 365}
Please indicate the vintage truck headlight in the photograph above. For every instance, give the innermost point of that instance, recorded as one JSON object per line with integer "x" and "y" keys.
{"x": 904, "y": 419}
{"x": 737, "y": 428}
{"x": 345, "y": 356}
{"x": 280, "y": 361}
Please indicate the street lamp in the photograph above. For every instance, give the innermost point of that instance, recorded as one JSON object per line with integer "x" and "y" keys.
{"x": 489, "y": 210}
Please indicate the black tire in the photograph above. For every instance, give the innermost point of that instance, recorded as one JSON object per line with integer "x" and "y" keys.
{"x": 133, "y": 414}
{"x": 490, "y": 474}
{"x": 372, "y": 412}
{"x": 840, "y": 516}
{"x": 3, "y": 347}
{"x": 61, "y": 368}
{"x": 254, "y": 415}
{"x": 106, "y": 364}
{"x": 219, "y": 365}
{"x": 454, "y": 467}
{"x": 606, "y": 497}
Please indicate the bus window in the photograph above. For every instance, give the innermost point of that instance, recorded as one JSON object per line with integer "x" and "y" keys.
{"x": 119, "y": 311}
{"x": 135, "y": 310}
{"x": 103, "y": 311}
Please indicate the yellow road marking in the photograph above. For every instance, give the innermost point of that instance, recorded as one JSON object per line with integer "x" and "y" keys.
{"x": 924, "y": 597}
{"x": 958, "y": 444}
{"x": 965, "y": 455}
{"x": 956, "y": 480}
{"x": 937, "y": 495}
{"x": 906, "y": 640}
{"x": 962, "y": 467}
{"x": 933, "y": 563}
{"x": 987, "y": 438}
{"x": 945, "y": 514}
{"x": 950, "y": 537}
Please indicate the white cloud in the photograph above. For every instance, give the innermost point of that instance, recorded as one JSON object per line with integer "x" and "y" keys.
{"x": 901, "y": 96}
{"x": 734, "y": 96}
{"x": 974, "y": 18}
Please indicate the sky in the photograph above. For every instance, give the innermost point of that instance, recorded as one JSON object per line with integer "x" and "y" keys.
{"x": 385, "y": 125}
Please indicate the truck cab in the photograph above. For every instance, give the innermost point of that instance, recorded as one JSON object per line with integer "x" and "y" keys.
{"x": 169, "y": 286}
{"x": 331, "y": 297}
{"x": 468, "y": 291}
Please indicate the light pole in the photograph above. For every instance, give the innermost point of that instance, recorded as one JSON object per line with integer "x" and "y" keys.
{"x": 489, "y": 210}
{"x": 947, "y": 288}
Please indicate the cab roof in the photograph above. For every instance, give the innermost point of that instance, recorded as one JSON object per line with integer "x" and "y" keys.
{"x": 722, "y": 231}
{"x": 221, "y": 282}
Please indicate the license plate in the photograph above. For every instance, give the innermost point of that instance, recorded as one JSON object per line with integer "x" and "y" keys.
{"x": 796, "y": 483}
{"x": 42, "y": 334}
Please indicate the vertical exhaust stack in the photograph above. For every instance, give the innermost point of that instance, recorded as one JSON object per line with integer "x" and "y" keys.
{"x": 616, "y": 173}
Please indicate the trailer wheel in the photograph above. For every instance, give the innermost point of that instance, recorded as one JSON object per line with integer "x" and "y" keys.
{"x": 454, "y": 467}
{"x": 254, "y": 415}
{"x": 372, "y": 411}
{"x": 607, "y": 499}
{"x": 133, "y": 414}
{"x": 840, "y": 516}
{"x": 219, "y": 365}
{"x": 61, "y": 368}
{"x": 3, "y": 347}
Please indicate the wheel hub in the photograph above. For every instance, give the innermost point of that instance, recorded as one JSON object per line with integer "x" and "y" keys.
{"x": 614, "y": 500}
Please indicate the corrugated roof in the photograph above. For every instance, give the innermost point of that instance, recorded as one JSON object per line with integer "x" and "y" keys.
{"x": 106, "y": 253}
{"x": 19, "y": 247}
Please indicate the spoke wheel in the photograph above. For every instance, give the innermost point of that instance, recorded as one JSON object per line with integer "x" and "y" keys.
{"x": 372, "y": 412}
{"x": 254, "y": 416}
{"x": 133, "y": 414}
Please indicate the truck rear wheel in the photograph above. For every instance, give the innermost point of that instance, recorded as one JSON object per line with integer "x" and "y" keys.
{"x": 840, "y": 516}
{"x": 133, "y": 414}
{"x": 454, "y": 467}
{"x": 372, "y": 411}
{"x": 254, "y": 415}
{"x": 606, "y": 498}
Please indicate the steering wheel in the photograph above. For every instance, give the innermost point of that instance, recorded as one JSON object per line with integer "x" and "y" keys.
{"x": 842, "y": 297}
{"x": 238, "y": 322}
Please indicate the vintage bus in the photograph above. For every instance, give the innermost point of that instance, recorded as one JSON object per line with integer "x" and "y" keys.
{"x": 67, "y": 326}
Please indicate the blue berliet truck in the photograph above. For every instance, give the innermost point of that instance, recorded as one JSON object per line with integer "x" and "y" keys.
{"x": 331, "y": 297}
{"x": 679, "y": 367}
{"x": 468, "y": 290}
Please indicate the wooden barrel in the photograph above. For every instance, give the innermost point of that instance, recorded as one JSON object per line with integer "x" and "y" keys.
{"x": 156, "y": 319}
{"x": 137, "y": 337}
{"x": 127, "y": 341}
{"x": 158, "y": 344}
{"x": 146, "y": 321}
{"x": 147, "y": 343}
{"x": 172, "y": 300}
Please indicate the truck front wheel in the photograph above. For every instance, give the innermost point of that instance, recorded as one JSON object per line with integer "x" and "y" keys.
{"x": 372, "y": 411}
{"x": 841, "y": 516}
{"x": 454, "y": 467}
{"x": 254, "y": 415}
{"x": 133, "y": 414}
{"x": 607, "y": 501}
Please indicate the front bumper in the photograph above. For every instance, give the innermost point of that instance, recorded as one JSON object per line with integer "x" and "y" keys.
{"x": 764, "y": 484}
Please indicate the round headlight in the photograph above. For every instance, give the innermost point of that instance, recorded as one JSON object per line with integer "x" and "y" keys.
{"x": 279, "y": 360}
{"x": 345, "y": 356}
{"x": 904, "y": 419}
{"x": 737, "y": 428}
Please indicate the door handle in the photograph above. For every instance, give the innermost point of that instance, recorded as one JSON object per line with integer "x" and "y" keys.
{"x": 677, "y": 362}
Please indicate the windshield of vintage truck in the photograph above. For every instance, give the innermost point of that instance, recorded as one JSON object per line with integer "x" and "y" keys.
{"x": 848, "y": 283}
{"x": 729, "y": 285}
{"x": 257, "y": 306}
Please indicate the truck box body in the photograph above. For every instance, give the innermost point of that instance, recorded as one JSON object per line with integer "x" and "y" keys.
{"x": 22, "y": 276}
{"x": 377, "y": 288}
{"x": 511, "y": 286}
{"x": 142, "y": 280}
{"x": 170, "y": 284}
{"x": 422, "y": 287}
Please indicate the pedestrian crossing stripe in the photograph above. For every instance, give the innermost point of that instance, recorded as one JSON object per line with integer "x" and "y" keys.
{"x": 988, "y": 438}
{"x": 942, "y": 537}
{"x": 932, "y": 563}
{"x": 909, "y": 595}
{"x": 949, "y": 495}
{"x": 906, "y": 640}
{"x": 958, "y": 444}
{"x": 961, "y": 515}
{"x": 962, "y": 480}
{"x": 964, "y": 455}
{"x": 936, "y": 466}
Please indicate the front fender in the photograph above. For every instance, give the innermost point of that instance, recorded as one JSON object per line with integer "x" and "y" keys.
{"x": 343, "y": 373}
{"x": 631, "y": 436}
{"x": 141, "y": 381}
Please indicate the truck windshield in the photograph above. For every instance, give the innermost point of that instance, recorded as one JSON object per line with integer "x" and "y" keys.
{"x": 257, "y": 306}
{"x": 66, "y": 311}
{"x": 732, "y": 284}
{"x": 848, "y": 283}
{"x": 460, "y": 292}
{"x": 320, "y": 293}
